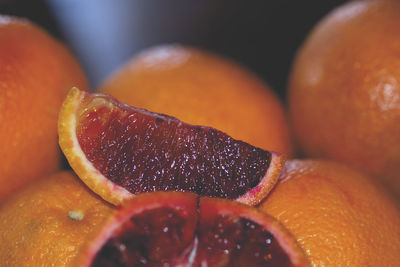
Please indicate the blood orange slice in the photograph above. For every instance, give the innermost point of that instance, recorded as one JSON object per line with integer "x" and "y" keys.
{"x": 120, "y": 151}
{"x": 182, "y": 229}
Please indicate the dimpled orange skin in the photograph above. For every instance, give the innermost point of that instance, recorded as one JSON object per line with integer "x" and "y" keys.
{"x": 34, "y": 222}
{"x": 36, "y": 73}
{"x": 203, "y": 89}
{"x": 344, "y": 89}
{"x": 338, "y": 215}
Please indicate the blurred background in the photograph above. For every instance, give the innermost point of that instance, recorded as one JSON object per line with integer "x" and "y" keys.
{"x": 104, "y": 34}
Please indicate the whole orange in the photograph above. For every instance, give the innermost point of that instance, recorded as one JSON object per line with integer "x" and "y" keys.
{"x": 344, "y": 90}
{"x": 36, "y": 72}
{"x": 204, "y": 89}
{"x": 338, "y": 215}
{"x": 46, "y": 222}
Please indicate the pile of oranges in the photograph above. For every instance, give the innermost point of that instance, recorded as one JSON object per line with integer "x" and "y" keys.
{"x": 343, "y": 111}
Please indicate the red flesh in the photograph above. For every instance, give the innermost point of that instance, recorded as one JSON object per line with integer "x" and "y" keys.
{"x": 204, "y": 233}
{"x": 144, "y": 152}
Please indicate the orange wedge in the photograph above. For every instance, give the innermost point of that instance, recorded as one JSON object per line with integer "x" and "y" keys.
{"x": 120, "y": 151}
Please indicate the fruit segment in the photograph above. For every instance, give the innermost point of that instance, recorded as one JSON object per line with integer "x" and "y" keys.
{"x": 119, "y": 151}
{"x": 182, "y": 229}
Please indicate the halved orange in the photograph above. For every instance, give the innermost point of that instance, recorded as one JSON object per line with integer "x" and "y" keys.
{"x": 120, "y": 151}
{"x": 182, "y": 229}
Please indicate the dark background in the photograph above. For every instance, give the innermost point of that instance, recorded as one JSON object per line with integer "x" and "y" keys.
{"x": 262, "y": 35}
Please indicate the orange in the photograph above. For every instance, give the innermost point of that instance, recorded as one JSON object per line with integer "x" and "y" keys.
{"x": 201, "y": 88}
{"x": 46, "y": 222}
{"x": 338, "y": 215}
{"x": 120, "y": 151}
{"x": 344, "y": 90}
{"x": 36, "y": 73}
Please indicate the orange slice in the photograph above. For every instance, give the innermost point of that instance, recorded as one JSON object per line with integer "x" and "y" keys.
{"x": 120, "y": 151}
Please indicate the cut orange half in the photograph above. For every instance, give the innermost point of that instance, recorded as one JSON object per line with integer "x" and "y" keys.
{"x": 120, "y": 151}
{"x": 182, "y": 229}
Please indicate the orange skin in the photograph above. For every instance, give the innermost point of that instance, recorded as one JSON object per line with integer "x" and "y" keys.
{"x": 203, "y": 89}
{"x": 339, "y": 216}
{"x": 36, "y": 73}
{"x": 344, "y": 90}
{"x": 36, "y": 225}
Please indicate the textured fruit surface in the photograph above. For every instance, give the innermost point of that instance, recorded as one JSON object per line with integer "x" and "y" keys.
{"x": 36, "y": 73}
{"x": 119, "y": 150}
{"x": 182, "y": 229}
{"x": 46, "y": 222}
{"x": 344, "y": 89}
{"x": 338, "y": 216}
{"x": 203, "y": 89}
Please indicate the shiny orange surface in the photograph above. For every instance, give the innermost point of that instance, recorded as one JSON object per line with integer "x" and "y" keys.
{"x": 46, "y": 223}
{"x": 339, "y": 216}
{"x": 344, "y": 91}
{"x": 36, "y": 73}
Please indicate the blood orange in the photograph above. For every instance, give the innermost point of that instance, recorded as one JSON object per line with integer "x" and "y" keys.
{"x": 119, "y": 151}
{"x": 30, "y": 98}
{"x": 181, "y": 229}
{"x": 345, "y": 82}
